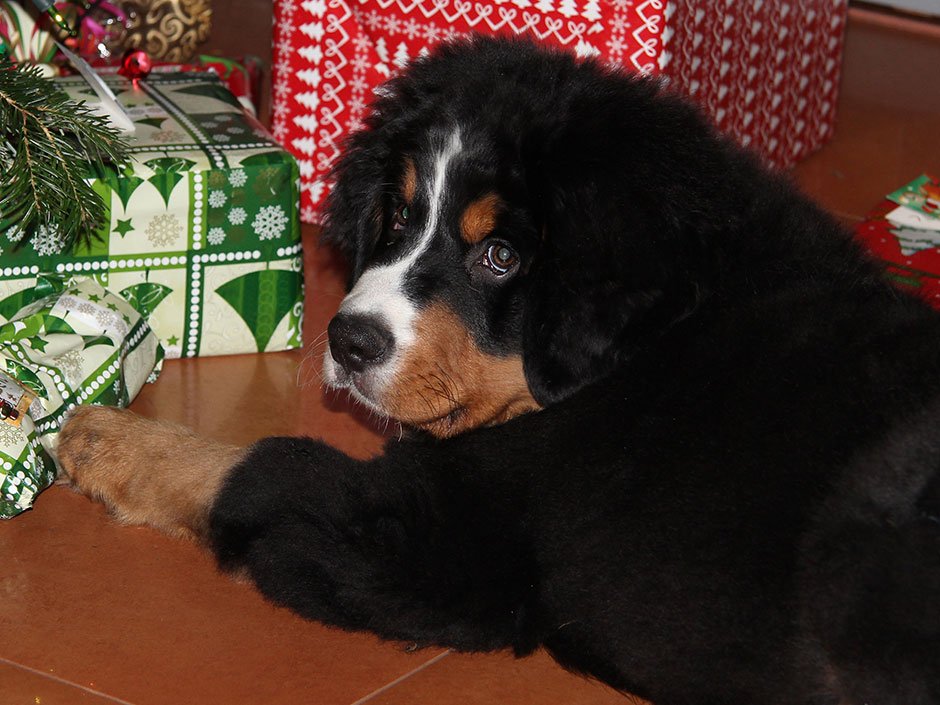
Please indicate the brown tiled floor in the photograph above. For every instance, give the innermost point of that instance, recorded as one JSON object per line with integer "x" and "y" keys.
{"x": 94, "y": 613}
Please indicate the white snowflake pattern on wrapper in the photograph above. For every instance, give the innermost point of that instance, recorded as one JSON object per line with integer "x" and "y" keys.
{"x": 15, "y": 234}
{"x": 46, "y": 242}
{"x": 102, "y": 318}
{"x": 10, "y": 436}
{"x": 237, "y": 215}
{"x": 164, "y": 230}
{"x": 238, "y": 178}
{"x": 71, "y": 363}
{"x": 217, "y": 199}
{"x": 215, "y": 236}
{"x": 270, "y": 222}
{"x": 107, "y": 318}
{"x": 83, "y": 307}
{"x": 167, "y": 136}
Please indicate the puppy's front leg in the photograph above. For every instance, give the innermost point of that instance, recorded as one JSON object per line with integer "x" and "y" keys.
{"x": 145, "y": 471}
{"x": 414, "y": 545}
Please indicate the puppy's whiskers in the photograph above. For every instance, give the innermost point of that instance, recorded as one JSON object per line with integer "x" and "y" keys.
{"x": 448, "y": 388}
{"x": 310, "y": 368}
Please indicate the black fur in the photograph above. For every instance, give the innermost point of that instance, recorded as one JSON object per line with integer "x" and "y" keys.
{"x": 733, "y": 493}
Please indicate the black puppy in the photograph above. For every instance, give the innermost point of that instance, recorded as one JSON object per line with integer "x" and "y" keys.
{"x": 677, "y": 429}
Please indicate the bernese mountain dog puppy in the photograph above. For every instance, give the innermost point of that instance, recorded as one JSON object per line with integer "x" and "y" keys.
{"x": 670, "y": 423}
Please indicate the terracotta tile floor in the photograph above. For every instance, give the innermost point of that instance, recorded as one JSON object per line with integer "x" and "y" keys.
{"x": 94, "y": 613}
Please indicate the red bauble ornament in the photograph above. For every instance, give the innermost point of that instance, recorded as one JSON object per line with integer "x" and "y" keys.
{"x": 136, "y": 64}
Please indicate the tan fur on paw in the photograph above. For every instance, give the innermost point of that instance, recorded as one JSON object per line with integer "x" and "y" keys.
{"x": 145, "y": 471}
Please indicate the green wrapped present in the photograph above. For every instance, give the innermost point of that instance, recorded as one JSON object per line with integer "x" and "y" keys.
{"x": 203, "y": 235}
{"x": 70, "y": 342}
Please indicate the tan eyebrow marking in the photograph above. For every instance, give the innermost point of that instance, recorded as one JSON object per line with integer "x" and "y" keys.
{"x": 479, "y": 218}
{"x": 409, "y": 184}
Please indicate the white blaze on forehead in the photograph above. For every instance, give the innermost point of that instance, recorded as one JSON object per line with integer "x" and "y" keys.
{"x": 380, "y": 289}
{"x": 435, "y": 189}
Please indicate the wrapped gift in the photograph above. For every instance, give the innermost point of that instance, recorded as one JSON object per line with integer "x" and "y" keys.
{"x": 203, "y": 235}
{"x": 241, "y": 76}
{"x": 67, "y": 341}
{"x": 903, "y": 232}
{"x": 168, "y": 30}
{"x": 765, "y": 71}
{"x": 22, "y": 37}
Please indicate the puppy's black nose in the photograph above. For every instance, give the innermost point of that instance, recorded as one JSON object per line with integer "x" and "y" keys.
{"x": 357, "y": 341}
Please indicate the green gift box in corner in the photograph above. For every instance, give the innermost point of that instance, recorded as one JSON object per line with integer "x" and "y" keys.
{"x": 203, "y": 235}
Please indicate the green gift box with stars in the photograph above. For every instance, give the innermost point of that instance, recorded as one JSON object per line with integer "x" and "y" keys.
{"x": 203, "y": 235}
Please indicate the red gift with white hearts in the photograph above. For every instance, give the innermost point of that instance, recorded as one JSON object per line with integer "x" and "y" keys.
{"x": 766, "y": 71}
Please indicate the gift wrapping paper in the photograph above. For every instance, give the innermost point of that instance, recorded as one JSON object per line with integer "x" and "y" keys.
{"x": 903, "y": 233}
{"x": 66, "y": 341}
{"x": 24, "y": 39}
{"x": 241, "y": 76}
{"x": 203, "y": 235}
{"x": 766, "y": 71}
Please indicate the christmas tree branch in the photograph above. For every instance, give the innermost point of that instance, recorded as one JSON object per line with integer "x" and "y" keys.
{"x": 29, "y": 162}
{"x": 50, "y": 148}
{"x": 86, "y": 224}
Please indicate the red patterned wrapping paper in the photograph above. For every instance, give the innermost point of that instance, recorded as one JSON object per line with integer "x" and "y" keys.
{"x": 766, "y": 71}
{"x": 914, "y": 266}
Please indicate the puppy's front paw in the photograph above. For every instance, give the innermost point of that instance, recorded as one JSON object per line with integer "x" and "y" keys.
{"x": 145, "y": 471}
{"x": 93, "y": 450}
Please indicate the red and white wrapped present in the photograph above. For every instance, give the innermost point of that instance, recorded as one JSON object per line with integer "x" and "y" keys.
{"x": 766, "y": 71}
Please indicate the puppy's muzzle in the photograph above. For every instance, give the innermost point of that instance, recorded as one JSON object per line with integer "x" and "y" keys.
{"x": 359, "y": 341}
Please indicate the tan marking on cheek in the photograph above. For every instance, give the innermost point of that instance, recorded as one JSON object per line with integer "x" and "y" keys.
{"x": 409, "y": 184}
{"x": 479, "y": 218}
{"x": 447, "y": 385}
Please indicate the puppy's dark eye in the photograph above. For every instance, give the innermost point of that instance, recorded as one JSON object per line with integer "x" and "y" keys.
{"x": 500, "y": 257}
{"x": 400, "y": 219}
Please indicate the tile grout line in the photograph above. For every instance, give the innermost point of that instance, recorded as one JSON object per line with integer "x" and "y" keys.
{"x": 91, "y": 691}
{"x": 401, "y": 678}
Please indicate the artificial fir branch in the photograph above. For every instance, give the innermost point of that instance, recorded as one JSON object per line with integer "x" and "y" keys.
{"x": 50, "y": 146}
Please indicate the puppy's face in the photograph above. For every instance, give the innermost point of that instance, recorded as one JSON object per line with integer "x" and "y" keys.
{"x": 431, "y": 331}
{"x": 517, "y": 226}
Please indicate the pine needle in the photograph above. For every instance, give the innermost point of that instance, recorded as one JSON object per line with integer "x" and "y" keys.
{"x": 50, "y": 149}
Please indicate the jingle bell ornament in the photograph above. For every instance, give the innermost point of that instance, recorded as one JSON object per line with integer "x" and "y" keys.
{"x": 136, "y": 64}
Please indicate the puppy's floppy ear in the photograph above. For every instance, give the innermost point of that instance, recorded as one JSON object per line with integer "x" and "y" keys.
{"x": 579, "y": 321}
{"x": 611, "y": 274}
{"x": 619, "y": 177}
{"x": 353, "y": 211}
